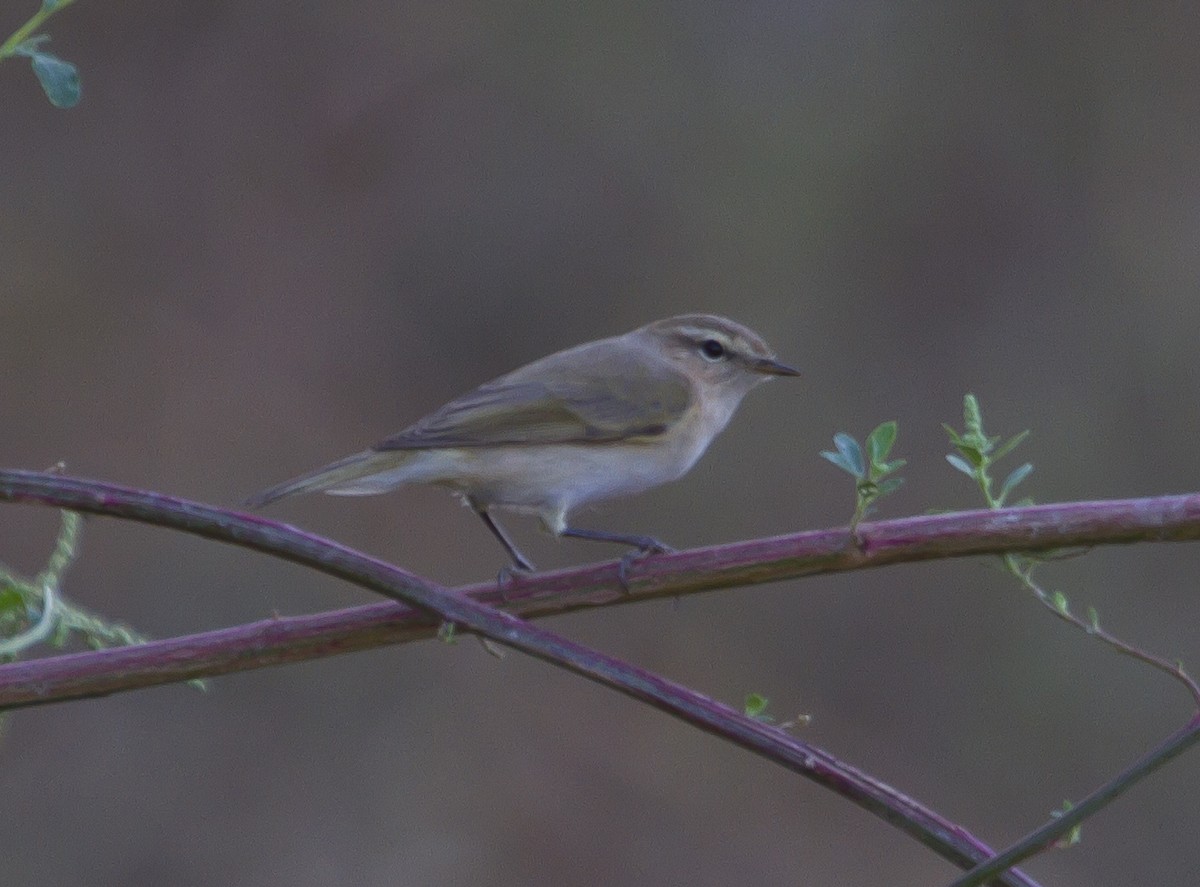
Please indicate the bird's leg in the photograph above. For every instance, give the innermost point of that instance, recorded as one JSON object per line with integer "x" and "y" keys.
{"x": 520, "y": 563}
{"x": 642, "y": 546}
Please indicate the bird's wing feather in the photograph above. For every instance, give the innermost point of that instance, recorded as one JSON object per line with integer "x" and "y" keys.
{"x": 570, "y": 397}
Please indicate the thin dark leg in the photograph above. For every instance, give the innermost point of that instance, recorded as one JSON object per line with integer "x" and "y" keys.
{"x": 642, "y": 545}
{"x": 519, "y": 560}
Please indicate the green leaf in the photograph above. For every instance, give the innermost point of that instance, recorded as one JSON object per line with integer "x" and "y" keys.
{"x": 851, "y": 452}
{"x": 972, "y": 454}
{"x": 838, "y": 460}
{"x": 11, "y": 601}
{"x": 59, "y": 79}
{"x": 29, "y": 47}
{"x": 955, "y": 439}
{"x": 1011, "y": 444}
{"x": 972, "y": 417}
{"x": 1061, "y": 604}
{"x": 879, "y": 442}
{"x": 889, "y": 467}
{"x": 889, "y": 486}
{"x": 1074, "y": 834}
{"x": 755, "y": 706}
{"x": 849, "y": 456}
{"x": 1017, "y": 475}
{"x": 959, "y": 463}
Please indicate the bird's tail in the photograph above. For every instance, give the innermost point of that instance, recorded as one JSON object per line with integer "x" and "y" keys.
{"x": 371, "y": 471}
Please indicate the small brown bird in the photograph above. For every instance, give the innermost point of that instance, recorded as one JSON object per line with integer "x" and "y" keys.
{"x": 603, "y": 419}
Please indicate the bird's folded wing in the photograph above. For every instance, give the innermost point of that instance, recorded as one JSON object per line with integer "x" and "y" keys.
{"x": 584, "y": 395}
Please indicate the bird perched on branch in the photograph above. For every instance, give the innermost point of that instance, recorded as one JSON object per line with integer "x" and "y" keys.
{"x": 604, "y": 419}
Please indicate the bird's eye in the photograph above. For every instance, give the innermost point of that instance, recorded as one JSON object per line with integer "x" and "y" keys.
{"x": 712, "y": 349}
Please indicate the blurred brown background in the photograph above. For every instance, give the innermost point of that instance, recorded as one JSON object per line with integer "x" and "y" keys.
{"x": 273, "y": 233}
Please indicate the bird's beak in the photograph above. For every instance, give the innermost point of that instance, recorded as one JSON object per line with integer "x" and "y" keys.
{"x": 770, "y": 367}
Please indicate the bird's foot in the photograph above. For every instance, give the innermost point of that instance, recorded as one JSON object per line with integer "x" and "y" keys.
{"x": 508, "y": 576}
{"x": 645, "y": 546}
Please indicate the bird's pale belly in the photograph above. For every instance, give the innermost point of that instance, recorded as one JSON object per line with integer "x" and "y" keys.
{"x": 558, "y": 477}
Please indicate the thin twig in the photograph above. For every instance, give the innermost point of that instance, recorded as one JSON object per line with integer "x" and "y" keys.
{"x": 37, "y": 632}
{"x": 1057, "y": 605}
{"x": 45, "y": 10}
{"x": 1057, "y": 826}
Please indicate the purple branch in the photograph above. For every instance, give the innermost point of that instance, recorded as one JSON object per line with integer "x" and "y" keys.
{"x": 295, "y": 638}
{"x": 1037, "y": 528}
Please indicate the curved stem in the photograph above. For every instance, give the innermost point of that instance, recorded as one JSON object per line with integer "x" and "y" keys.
{"x": 37, "y": 632}
{"x": 27, "y": 30}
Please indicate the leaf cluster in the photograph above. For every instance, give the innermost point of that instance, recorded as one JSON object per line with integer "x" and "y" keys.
{"x": 32, "y": 611}
{"x": 977, "y": 453}
{"x": 59, "y": 79}
{"x": 869, "y": 466}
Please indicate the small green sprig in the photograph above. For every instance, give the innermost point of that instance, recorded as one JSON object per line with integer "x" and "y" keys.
{"x": 32, "y": 610}
{"x": 59, "y": 79}
{"x": 755, "y": 706}
{"x": 1074, "y": 836}
{"x": 448, "y": 634}
{"x": 977, "y": 453}
{"x": 870, "y": 470}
